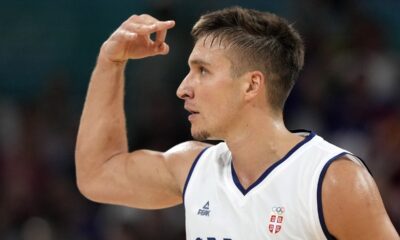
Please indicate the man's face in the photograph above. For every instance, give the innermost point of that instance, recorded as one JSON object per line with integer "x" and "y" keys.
{"x": 211, "y": 95}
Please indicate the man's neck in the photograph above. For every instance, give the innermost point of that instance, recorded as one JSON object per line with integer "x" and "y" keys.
{"x": 260, "y": 143}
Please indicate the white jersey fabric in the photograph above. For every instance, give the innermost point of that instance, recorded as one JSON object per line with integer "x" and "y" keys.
{"x": 284, "y": 203}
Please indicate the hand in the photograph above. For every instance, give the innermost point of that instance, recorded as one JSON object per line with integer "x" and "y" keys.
{"x": 132, "y": 39}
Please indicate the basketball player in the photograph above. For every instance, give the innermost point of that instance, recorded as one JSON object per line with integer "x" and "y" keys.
{"x": 263, "y": 181}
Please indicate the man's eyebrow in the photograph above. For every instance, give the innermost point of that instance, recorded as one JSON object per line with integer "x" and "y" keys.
{"x": 199, "y": 62}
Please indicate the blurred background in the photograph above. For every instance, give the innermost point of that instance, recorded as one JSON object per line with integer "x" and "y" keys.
{"x": 348, "y": 92}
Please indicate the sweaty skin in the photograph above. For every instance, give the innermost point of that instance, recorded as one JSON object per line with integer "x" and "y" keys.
{"x": 234, "y": 110}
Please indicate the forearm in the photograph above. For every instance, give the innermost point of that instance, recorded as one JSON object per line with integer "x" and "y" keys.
{"x": 102, "y": 130}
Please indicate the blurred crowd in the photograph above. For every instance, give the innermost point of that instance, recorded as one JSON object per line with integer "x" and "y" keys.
{"x": 347, "y": 92}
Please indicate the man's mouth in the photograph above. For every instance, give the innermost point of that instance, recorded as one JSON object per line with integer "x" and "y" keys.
{"x": 190, "y": 110}
{"x": 192, "y": 114}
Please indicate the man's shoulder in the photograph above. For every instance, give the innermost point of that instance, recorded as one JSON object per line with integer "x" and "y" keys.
{"x": 351, "y": 198}
{"x": 181, "y": 157}
{"x": 342, "y": 173}
{"x": 187, "y": 149}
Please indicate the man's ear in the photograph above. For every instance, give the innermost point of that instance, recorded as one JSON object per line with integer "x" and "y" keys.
{"x": 255, "y": 84}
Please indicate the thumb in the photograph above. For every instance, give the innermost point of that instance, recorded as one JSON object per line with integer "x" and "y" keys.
{"x": 162, "y": 49}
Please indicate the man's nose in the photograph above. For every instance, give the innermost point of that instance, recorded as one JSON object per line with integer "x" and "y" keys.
{"x": 185, "y": 90}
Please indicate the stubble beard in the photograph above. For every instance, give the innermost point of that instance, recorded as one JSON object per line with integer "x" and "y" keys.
{"x": 201, "y": 135}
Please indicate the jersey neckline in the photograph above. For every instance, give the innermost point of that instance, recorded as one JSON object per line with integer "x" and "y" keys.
{"x": 274, "y": 165}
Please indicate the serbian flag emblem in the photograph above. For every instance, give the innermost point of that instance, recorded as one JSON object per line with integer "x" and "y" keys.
{"x": 276, "y": 220}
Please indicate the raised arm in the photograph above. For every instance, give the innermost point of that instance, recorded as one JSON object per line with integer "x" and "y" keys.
{"x": 106, "y": 171}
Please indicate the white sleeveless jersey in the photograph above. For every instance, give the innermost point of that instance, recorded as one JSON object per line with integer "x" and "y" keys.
{"x": 284, "y": 203}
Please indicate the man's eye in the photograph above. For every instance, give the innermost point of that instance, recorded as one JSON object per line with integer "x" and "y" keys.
{"x": 202, "y": 70}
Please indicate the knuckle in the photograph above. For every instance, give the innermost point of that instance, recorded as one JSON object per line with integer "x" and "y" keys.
{"x": 125, "y": 24}
{"x": 148, "y": 19}
{"x": 130, "y": 36}
{"x": 133, "y": 17}
{"x": 118, "y": 35}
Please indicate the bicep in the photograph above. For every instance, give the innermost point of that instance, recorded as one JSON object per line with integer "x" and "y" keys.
{"x": 140, "y": 179}
{"x": 352, "y": 205}
{"x": 143, "y": 178}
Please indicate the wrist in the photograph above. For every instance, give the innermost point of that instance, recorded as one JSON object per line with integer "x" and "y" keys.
{"x": 104, "y": 61}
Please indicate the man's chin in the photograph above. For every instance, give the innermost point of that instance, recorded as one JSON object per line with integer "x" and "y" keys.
{"x": 201, "y": 135}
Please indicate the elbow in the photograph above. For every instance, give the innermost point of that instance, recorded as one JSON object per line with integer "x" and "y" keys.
{"x": 89, "y": 192}
{"x": 93, "y": 192}
{"x": 91, "y": 177}
{"x": 85, "y": 185}
{"x": 85, "y": 189}
{"x": 84, "y": 177}
{"x": 90, "y": 187}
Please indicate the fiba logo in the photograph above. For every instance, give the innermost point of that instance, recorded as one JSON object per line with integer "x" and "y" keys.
{"x": 276, "y": 220}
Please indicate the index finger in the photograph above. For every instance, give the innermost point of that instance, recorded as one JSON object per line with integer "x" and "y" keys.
{"x": 142, "y": 28}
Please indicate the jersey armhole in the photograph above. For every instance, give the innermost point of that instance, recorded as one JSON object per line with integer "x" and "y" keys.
{"x": 190, "y": 173}
{"x": 351, "y": 157}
